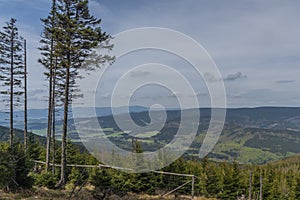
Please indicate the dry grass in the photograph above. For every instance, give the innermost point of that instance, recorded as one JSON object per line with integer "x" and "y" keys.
{"x": 170, "y": 197}
{"x": 86, "y": 194}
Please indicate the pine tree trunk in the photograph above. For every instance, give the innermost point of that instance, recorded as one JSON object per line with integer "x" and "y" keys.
{"x": 63, "y": 179}
{"x": 49, "y": 127}
{"x": 53, "y": 119}
{"x": 50, "y": 111}
{"x": 12, "y": 89}
{"x": 53, "y": 143}
{"x": 25, "y": 96}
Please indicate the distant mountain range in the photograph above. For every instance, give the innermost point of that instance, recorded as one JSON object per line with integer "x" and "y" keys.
{"x": 40, "y": 115}
{"x": 263, "y": 117}
{"x": 101, "y": 111}
{"x": 250, "y": 135}
{"x": 19, "y": 135}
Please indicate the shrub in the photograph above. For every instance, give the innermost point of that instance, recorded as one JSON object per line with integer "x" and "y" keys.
{"x": 14, "y": 168}
{"x": 46, "y": 180}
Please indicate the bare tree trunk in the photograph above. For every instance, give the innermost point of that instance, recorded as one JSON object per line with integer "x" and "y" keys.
{"x": 12, "y": 89}
{"x": 53, "y": 119}
{"x": 49, "y": 127}
{"x": 63, "y": 179}
{"x": 63, "y": 174}
{"x": 53, "y": 143}
{"x": 25, "y": 96}
{"x": 50, "y": 110}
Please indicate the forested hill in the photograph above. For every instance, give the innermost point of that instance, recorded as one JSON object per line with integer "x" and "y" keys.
{"x": 261, "y": 117}
{"x": 19, "y": 136}
{"x": 250, "y": 135}
{"x": 222, "y": 180}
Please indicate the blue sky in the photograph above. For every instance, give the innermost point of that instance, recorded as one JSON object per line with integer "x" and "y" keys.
{"x": 255, "y": 44}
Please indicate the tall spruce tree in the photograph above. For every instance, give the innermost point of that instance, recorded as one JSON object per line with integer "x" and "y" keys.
{"x": 80, "y": 34}
{"x": 47, "y": 49}
{"x": 12, "y": 69}
{"x": 70, "y": 35}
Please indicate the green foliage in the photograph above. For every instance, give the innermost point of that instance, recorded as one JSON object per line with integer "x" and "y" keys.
{"x": 101, "y": 178}
{"x": 213, "y": 179}
{"x": 6, "y": 171}
{"x": 35, "y": 150}
{"x": 297, "y": 188}
{"x": 14, "y": 168}
{"x": 45, "y": 179}
{"x": 121, "y": 183}
{"x": 78, "y": 176}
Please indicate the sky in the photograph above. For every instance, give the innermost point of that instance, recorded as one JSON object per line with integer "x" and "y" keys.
{"x": 255, "y": 45}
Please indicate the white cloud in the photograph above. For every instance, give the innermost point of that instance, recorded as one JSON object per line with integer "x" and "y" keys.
{"x": 258, "y": 38}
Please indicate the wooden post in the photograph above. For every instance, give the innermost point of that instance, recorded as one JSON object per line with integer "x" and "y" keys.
{"x": 193, "y": 186}
{"x": 250, "y": 185}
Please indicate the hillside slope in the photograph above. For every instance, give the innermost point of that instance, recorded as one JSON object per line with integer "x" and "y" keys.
{"x": 250, "y": 135}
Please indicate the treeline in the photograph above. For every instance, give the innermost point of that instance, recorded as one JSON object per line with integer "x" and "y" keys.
{"x": 213, "y": 180}
{"x": 280, "y": 180}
